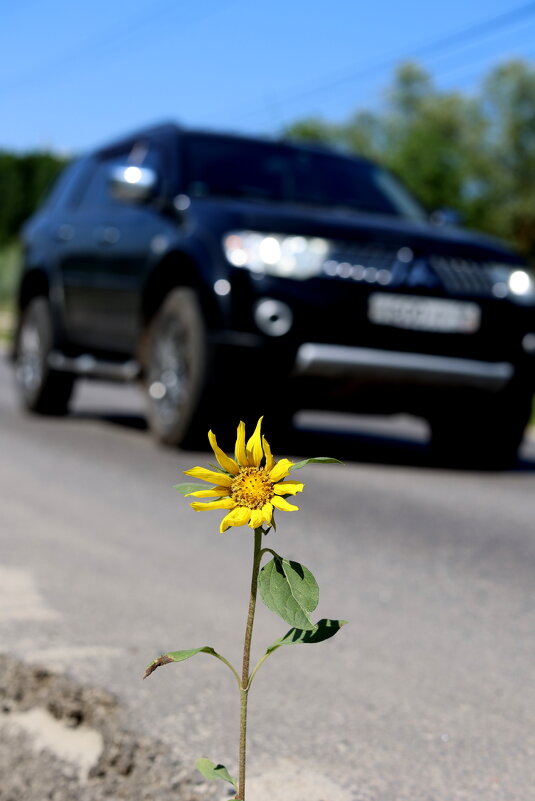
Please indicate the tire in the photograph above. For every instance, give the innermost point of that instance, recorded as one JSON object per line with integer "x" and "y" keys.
{"x": 177, "y": 370}
{"x": 41, "y": 389}
{"x": 484, "y": 432}
{"x": 191, "y": 387}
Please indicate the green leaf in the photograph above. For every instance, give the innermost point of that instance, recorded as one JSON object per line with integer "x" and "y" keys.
{"x": 323, "y": 630}
{"x": 290, "y": 590}
{"x": 315, "y": 460}
{"x": 177, "y": 656}
{"x": 212, "y": 771}
{"x": 185, "y": 489}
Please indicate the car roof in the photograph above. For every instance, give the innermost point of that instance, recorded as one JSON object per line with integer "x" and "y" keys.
{"x": 169, "y": 129}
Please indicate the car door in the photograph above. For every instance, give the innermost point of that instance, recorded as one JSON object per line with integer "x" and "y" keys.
{"x": 106, "y": 261}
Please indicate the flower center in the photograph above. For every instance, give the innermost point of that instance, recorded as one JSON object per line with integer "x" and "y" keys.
{"x": 251, "y": 487}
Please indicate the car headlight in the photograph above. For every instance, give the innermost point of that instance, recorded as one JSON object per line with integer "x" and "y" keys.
{"x": 297, "y": 257}
{"x": 520, "y": 283}
{"x": 509, "y": 281}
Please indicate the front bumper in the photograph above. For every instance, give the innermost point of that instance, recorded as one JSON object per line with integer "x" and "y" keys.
{"x": 340, "y": 362}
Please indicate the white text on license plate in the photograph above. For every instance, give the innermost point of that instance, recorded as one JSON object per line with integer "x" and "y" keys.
{"x": 424, "y": 314}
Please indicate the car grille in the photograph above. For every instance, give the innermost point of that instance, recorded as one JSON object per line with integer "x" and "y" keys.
{"x": 399, "y": 267}
{"x": 463, "y": 276}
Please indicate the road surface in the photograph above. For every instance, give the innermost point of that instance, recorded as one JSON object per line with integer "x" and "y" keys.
{"x": 428, "y": 693}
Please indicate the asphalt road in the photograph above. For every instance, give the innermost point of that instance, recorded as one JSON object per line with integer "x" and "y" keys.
{"x": 427, "y": 695}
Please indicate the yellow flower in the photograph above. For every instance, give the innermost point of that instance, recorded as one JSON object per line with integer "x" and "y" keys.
{"x": 247, "y": 489}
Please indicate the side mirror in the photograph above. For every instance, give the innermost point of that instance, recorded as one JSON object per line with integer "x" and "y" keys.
{"x": 446, "y": 216}
{"x": 132, "y": 184}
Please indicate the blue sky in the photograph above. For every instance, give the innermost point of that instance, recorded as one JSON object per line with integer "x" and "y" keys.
{"x": 75, "y": 74}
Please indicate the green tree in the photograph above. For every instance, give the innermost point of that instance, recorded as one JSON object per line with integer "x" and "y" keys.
{"x": 426, "y": 142}
{"x": 508, "y": 99}
{"x": 12, "y": 196}
{"x": 472, "y": 154}
{"x": 24, "y": 180}
{"x": 314, "y": 130}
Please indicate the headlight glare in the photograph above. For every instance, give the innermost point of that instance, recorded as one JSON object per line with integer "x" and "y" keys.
{"x": 269, "y": 250}
{"x": 296, "y": 257}
{"x": 520, "y": 283}
{"x": 511, "y": 281}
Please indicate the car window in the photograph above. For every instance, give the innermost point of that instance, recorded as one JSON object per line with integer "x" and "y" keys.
{"x": 227, "y": 167}
{"x": 69, "y": 186}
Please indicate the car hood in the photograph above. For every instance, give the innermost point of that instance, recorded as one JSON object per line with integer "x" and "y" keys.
{"x": 223, "y": 215}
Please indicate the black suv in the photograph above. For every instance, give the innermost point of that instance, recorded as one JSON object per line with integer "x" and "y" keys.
{"x": 238, "y": 272}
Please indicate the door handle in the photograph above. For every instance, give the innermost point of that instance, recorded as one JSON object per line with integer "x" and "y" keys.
{"x": 107, "y": 234}
{"x": 64, "y": 232}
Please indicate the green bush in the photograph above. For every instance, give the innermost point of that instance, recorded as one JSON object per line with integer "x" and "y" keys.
{"x": 24, "y": 180}
{"x": 10, "y": 259}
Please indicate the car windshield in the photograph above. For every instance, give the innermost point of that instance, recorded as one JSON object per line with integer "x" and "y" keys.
{"x": 228, "y": 167}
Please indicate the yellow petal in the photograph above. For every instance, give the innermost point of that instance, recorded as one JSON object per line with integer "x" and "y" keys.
{"x": 281, "y": 469}
{"x": 257, "y": 518}
{"x": 254, "y": 447}
{"x": 224, "y": 503}
{"x": 270, "y": 461}
{"x": 267, "y": 513}
{"x": 216, "y": 492}
{"x": 287, "y": 488}
{"x": 240, "y": 454}
{"x": 225, "y": 461}
{"x": 238, "y": 517}
{"x": 284, "y": 506}
{"x": 209, "y": 475}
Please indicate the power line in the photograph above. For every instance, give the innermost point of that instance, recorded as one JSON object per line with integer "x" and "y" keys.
{"x": 477, "y": 30}
{"x": 115, "y": 34}
{"x": 473, "y": 66}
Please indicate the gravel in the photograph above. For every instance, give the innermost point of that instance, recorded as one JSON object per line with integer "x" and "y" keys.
{"x": 44, "y": 755}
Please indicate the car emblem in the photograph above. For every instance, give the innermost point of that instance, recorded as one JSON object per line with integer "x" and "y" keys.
{"x": 416, "y": 272}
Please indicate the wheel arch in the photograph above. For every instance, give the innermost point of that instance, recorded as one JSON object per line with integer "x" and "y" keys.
{"x": 175, "y": 269}
{"x": 34, "y": 283}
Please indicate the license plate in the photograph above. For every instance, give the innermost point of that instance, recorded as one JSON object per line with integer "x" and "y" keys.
{"x": 424, "y": 314}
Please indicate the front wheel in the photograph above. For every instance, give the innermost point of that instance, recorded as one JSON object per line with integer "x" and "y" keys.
{"x": 485, "y": 431}
{"x": 176, "y": 371}
{"x": 41, "y": 389}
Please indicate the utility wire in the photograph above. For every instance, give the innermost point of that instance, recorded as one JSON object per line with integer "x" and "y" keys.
{"x": 473, "y": 66}
{"x": 477, "y": 30}
{"x": 116, "y": 34}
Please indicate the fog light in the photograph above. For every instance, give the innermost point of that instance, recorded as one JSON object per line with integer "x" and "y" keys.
{"x": 157, "y": 390}
{"x": 528, "y": 343}
{"x": 273, "y": 317}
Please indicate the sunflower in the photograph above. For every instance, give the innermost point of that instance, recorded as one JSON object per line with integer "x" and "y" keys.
{"x": 246, "y": 488}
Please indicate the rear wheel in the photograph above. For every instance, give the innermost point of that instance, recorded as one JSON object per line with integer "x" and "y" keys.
{"x": 484, "y": 432}
{"x": 41, "y": 389}
{"x": 176, "y": 372}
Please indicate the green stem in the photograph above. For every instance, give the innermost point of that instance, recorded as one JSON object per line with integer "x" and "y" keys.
{"x": 227, "y": 663}
{"x": 258, "y": 666}
{"x": 244, "y": 689}
{"x": 271, "y": 551}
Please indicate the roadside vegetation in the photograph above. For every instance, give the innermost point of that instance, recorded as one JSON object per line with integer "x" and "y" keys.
{"x": 9, "y": 270}
{"x": 24, "y": 179}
